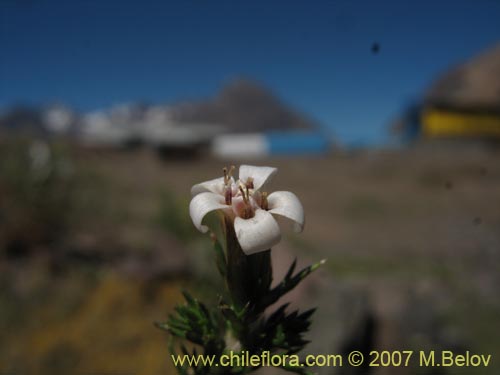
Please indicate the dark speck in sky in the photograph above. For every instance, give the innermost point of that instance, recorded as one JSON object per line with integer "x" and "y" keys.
{"x": 375, "y": 48}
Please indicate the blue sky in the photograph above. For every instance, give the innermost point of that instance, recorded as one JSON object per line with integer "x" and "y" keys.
{"x": 315, "y": 55}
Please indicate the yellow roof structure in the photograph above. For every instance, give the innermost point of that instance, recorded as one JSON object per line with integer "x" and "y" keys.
{"x": 465, "y": 101}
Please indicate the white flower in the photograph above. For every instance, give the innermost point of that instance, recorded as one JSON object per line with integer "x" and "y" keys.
{"x": 248, "y": 205}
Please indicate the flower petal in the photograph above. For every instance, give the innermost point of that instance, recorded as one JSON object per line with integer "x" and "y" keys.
{"x": 259, "y": 233}
{"x": 201, "y": 205}
{"x": 287, "y": 204}
{"x": 215, "y": 186}
{"x": 260, "y": 175}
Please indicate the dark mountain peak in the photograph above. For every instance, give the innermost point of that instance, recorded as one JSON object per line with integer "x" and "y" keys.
{"x": 244, "y": 105}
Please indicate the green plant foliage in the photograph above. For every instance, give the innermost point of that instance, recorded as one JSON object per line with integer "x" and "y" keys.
{"x": 36, "y": 193}
{"x": 241, "y": 311}
{"x": 173, "y": 218}
{"x": 195, "y": 323}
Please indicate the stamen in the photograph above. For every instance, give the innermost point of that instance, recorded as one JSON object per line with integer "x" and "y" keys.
{"x": 264, "y": 203}
{"x": 245, "y": 196}
{"x": 227, "y": 174}
{"x": 247, "y": 212}
{"x": 249, "y": 183}
{"x": 228, "y": 195}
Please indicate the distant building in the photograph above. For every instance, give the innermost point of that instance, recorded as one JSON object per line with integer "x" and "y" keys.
{"x": 244, "y": 119}
{"x": 150, "y": 125}
{"x": 259, "y": 145}
{"x": 464, "y": 103}
{"x": 58, "y": 119}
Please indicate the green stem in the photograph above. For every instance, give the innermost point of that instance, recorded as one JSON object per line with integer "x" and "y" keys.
{"x": 248, "y": 277}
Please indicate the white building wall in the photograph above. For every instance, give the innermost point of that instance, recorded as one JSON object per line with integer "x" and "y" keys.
{"x": 238, "y": 146}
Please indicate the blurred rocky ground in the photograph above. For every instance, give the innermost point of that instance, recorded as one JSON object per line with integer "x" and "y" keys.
{"x": 97, "y": 244}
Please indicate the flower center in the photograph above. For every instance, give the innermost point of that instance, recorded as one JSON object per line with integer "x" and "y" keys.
{"x": 247, "y": 199}
{"x": 246, "y": 211}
